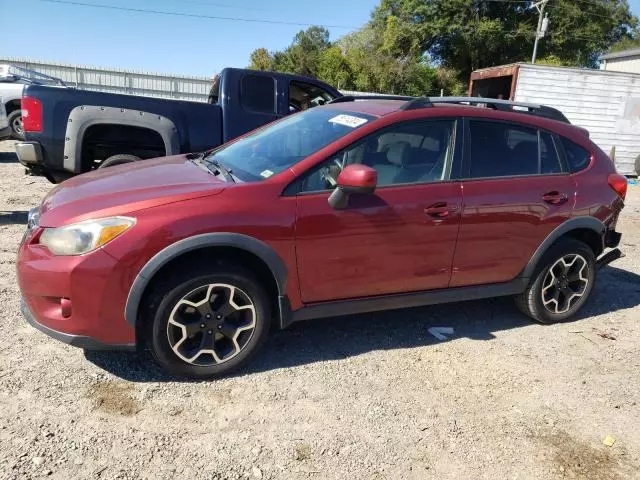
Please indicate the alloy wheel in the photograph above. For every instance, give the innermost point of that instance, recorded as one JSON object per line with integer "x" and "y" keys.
{"x": 211, "y": 324}
{"x": 17, "y": 125}
{"x": 565, "y": 282}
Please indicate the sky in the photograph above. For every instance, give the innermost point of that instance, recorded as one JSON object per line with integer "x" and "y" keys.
{"x": 66, "y": 32}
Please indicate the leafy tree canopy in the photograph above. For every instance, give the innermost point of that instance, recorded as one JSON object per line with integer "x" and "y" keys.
{"x": 420, "y": 47}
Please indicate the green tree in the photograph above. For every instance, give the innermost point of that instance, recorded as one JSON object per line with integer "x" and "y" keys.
{"x": 375, "y": 68}
{"x": 305, "y": 51}
{"x": 334, "y": 69}
{"x": 301, "y": 57}
{"x": 261, "y": 59}
{"x": 627, "y": 43}
{"x": 469, "y": 34}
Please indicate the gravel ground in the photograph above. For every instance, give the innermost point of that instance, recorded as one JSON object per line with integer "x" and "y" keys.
{"x": 366, "y": 397}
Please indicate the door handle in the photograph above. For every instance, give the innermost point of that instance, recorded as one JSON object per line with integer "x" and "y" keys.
{"x": 440, "y": 210}
{"x": 555, "y": 198}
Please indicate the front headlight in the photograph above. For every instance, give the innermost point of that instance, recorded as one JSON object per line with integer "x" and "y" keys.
{"x": 84, "y": 237}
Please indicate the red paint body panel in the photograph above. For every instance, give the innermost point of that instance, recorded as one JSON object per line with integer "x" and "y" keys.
{"x": 399, "y": 239}
{"x": 93, "y": 283}
{"x": 503, "y": 223}
{"x": 125, "y": 189}
{"x": 383, "y": 243}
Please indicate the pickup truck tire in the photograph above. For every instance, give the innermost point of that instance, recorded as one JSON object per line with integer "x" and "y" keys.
{"x": 118, "y": 160}
{"x": 15, "y": 122}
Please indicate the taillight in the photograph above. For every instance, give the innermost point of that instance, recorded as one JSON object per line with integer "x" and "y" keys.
{"x": 31, "y": 114}
{"x": 618, "y": 183}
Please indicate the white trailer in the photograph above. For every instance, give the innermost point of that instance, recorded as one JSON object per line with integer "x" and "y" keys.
{"x": 606, "y": 103}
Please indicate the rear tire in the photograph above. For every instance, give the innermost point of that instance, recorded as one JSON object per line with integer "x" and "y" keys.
{"x": 208, "y": 323}
{"x": 119, "y": 159}
{"x": 15, "y": 122}
{"x": 562, "y": 283}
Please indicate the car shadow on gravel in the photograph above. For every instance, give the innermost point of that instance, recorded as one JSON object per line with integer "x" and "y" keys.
{"x": 15, "y": 217}
{"x": 8, "y": 157}
{"x": 338, "y": 338}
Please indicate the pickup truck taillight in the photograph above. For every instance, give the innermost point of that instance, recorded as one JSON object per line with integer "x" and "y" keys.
{"x": 31, "y": 114}
{"x": 619, "y": 184}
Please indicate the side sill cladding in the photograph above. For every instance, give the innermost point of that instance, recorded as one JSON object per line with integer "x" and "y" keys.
{"x": 217, "y": 239}
{"x": 575, "y": 223}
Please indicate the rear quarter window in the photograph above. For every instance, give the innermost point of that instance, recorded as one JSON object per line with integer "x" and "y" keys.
{"x": 577, "y": 157}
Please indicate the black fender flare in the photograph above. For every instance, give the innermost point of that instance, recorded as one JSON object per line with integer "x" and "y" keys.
{"x": 575, "y": 223}
{"x": 218, "y": 239}
{"x": 84, "y": 116}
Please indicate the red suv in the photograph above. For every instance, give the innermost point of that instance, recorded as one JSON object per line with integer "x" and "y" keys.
{"x": 350, "y": 207}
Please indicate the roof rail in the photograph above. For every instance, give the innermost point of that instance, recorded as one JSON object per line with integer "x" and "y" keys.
{"x": 496, "y": 104}
{"x": 353, "y": 98}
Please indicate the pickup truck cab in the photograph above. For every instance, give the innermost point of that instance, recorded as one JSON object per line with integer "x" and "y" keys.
{"x": 69, "y": 131}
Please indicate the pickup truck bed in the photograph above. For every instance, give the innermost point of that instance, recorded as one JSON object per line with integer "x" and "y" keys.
{"x": 188, "y": 126}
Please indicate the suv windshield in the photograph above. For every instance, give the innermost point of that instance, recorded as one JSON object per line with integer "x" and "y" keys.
{"x": 277, "y": 147}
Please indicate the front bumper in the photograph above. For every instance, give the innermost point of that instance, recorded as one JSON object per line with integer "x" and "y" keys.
{"x": 29, "y": 153}
{"x": 77, "y": 299}
{"x": 80, "y": 341}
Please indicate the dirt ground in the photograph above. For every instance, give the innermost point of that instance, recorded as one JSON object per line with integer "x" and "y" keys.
{"x": 367, "y": 397}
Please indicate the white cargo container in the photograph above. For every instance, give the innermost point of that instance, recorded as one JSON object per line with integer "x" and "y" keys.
{"x": 604, "y": 102}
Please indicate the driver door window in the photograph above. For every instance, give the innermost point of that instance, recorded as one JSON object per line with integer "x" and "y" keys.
{"x": 410, "y": 152}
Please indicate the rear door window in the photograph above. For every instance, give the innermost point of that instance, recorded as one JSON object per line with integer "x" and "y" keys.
{"x": 258, "y": 93}
{"x": 549, "y": 159}
{"x": 501, "y": 149}
{"x": 577, "y": 157}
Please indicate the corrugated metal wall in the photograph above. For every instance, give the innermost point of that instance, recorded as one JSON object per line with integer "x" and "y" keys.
{"x": 177, "y": 87}
{"x": 605, "y": 103}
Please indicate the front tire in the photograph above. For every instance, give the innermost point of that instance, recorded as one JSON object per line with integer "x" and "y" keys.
{"x": 209, "y": 324}
{"x": 562, "y": 284}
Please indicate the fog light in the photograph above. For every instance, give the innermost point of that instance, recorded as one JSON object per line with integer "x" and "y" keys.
{"x": 65, "y": 307}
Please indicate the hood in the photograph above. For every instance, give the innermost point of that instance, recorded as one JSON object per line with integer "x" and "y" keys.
{"x": 123, "y": 189}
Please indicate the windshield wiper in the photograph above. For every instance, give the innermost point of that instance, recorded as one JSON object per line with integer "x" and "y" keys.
{"x": 222, "y": 170}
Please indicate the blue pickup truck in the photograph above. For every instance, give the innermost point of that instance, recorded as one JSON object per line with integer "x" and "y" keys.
{"x": 69, "y": 131}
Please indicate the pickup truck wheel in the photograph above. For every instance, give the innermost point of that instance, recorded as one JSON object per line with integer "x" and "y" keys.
{"x": 118, "y": 160}
{"x": 563, "y": 283}
{"x": 208, "y": 323}
{"x": 15, "y": 122}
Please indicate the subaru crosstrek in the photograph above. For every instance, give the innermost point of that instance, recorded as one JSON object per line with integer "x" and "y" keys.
{"x": 350, "y": 207}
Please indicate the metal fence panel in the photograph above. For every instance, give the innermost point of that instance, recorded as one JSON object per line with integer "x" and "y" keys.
{"x": 179, "y": 87}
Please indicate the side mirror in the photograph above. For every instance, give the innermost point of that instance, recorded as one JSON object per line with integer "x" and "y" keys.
{"x": 354, "y": 179}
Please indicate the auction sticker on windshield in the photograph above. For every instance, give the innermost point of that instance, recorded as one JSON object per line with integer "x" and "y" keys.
{"x": 348, "y": 120}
